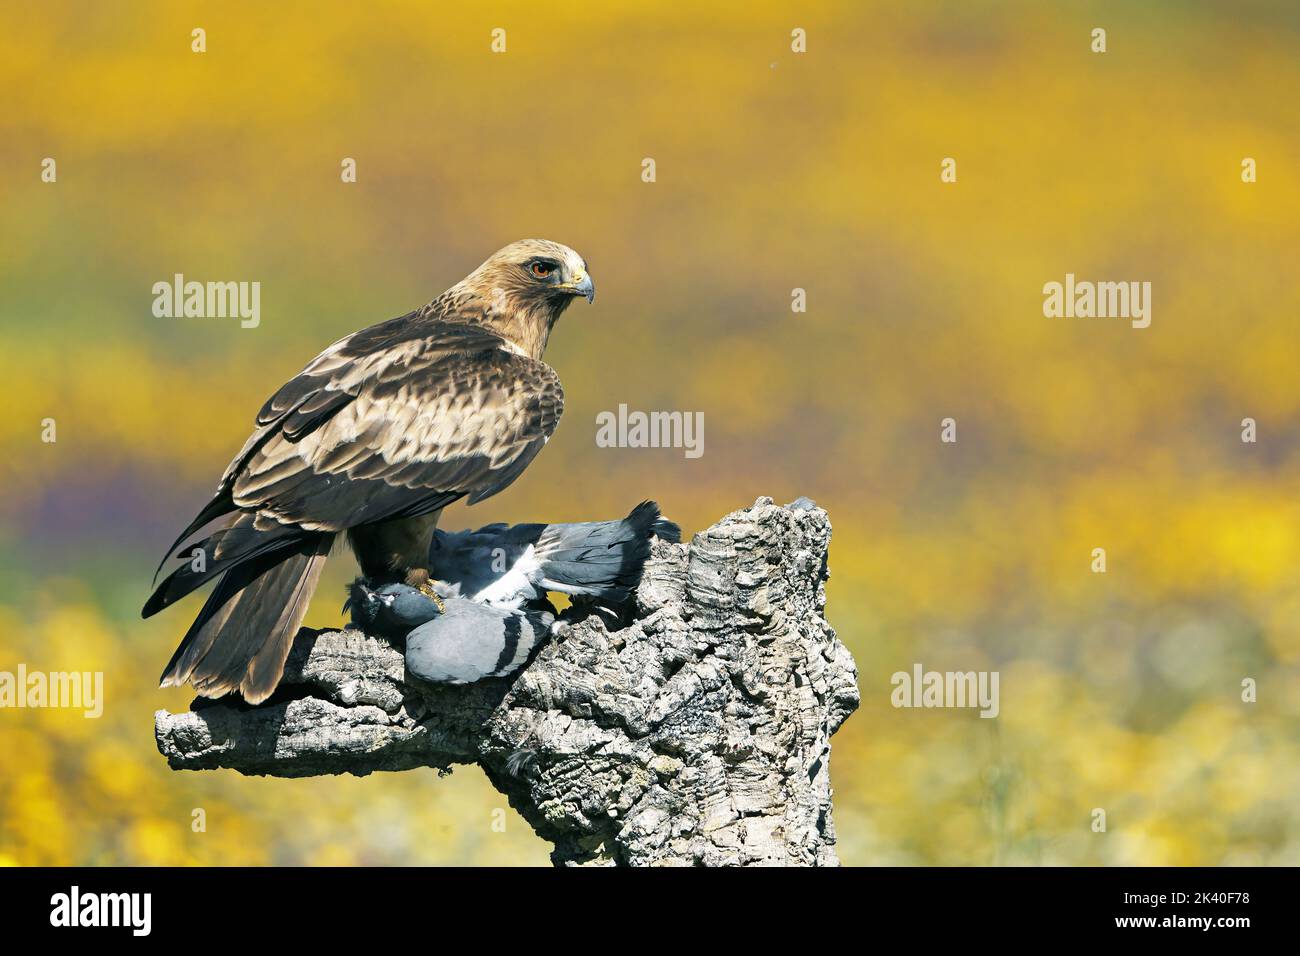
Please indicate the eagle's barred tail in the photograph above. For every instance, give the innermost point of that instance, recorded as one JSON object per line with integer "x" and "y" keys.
{"x": 242, "y": 636}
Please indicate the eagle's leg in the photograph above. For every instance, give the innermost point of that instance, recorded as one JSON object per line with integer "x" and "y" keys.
{"x": 420, "y": 579}
{"x": 398, "y": 551}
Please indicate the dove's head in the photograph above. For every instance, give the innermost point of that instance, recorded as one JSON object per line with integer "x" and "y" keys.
{"x": 391, "y": 610}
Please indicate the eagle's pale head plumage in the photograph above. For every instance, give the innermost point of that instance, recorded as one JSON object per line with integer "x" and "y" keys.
{"x": 525, "y": 287}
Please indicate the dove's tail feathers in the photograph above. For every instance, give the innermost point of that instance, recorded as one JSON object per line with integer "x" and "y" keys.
{"x": 666, "y": 530}
{"x": 601, "y": 559}
{"x": 242, "y": 636}
{"x": 646, "y": 521}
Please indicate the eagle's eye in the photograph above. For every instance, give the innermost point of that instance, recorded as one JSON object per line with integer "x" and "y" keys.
{"x": 542, "y": 269}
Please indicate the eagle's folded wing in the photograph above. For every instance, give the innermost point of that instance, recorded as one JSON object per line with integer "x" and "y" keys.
{"x": 392, "y": 422}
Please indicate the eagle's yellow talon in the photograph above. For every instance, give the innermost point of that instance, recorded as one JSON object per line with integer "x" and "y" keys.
{"x": 427, "y": 590}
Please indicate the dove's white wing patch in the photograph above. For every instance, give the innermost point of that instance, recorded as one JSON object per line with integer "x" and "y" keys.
{"x": 512, "y": 587}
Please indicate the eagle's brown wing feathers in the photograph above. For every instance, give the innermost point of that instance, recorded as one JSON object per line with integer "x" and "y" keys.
{"x": 464, "y": 414}
{"x": 393, "y": 422}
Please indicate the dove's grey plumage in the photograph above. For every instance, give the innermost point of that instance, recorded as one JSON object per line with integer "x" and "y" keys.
{"x": 508, "y": 567}
{"x": 493, "y": 584}
{"x": 473, "y": 641}
{"x": 458, "y": 643}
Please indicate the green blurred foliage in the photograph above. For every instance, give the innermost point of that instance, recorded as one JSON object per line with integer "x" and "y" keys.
{"x": 775, "y": 171}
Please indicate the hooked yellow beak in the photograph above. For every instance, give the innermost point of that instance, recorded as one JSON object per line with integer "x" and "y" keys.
{"x": 582, "y": 285}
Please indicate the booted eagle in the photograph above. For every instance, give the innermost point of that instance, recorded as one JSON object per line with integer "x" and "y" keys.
{"x": 377, "y": 435}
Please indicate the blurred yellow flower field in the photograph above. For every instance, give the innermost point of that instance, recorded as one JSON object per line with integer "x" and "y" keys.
{"x": 820, "y": 171}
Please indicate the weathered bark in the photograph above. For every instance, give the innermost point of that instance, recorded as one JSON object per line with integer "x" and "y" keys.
{"x": 697, "y": 731}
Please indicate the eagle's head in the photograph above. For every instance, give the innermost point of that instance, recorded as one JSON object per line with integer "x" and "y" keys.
{"x": 534, "y": 272}
{"x": 539, "y": 270}
{"x": 523, "y": 289}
